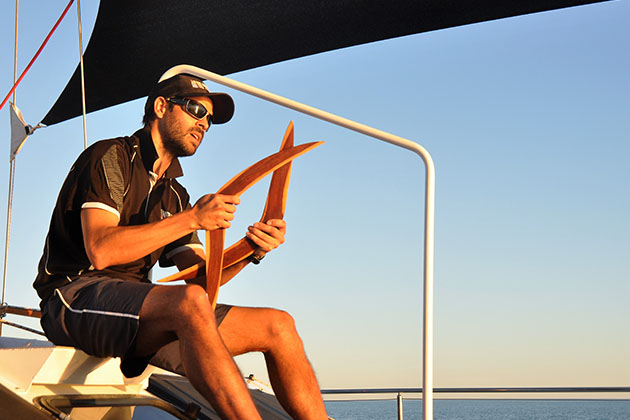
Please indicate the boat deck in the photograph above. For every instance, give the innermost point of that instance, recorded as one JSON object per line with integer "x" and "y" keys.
{"x": 39, "y": 380}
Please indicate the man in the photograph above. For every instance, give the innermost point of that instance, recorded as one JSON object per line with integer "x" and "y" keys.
{"x": 120, "y": 211}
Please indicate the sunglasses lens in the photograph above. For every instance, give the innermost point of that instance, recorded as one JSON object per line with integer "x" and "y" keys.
{"x": 196, "y": 109}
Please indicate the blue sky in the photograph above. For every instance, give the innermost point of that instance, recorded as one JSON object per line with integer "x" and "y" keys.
{"x": 527, "y": 120}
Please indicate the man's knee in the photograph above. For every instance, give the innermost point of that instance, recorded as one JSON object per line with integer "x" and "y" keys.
{"x": 281, "y": 326}
{"x": 192, "y": 304}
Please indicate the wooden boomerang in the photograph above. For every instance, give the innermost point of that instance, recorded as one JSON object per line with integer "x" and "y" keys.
{"x": 274, "y": 206}
{"x": 274, "y": 209}
{"x": 279, "y": 163}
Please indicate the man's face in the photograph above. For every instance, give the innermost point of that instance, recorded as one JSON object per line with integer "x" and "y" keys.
{"x": 181, "y": 132}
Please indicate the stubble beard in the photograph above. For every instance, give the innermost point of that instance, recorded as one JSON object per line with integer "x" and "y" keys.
{"x": 175, "y": 139}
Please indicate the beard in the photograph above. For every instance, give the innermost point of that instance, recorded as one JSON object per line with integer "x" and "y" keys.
{"x": 177, "y": 141}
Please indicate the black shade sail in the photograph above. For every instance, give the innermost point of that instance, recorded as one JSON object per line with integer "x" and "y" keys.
{"x": 134, "y": 42}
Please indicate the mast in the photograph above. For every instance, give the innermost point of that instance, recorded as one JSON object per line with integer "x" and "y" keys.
{"x": 11, "y": 171}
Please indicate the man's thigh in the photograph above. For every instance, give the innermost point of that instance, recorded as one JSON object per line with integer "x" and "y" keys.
{"x": 247, "y": 329}
{"x": 96, "y": 314}
{"x": 242, "y": 329}
{"x": 168, "y": 357}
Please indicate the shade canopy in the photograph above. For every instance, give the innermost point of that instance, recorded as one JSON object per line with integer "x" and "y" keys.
{"x": 134, "y": 42}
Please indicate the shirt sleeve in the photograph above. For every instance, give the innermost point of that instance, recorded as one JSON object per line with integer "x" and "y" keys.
{"x": 102, "y": 179}
{"x": 188, "y": 242}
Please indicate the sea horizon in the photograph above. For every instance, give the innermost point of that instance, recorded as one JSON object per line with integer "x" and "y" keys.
{"x": 483, "y": 409}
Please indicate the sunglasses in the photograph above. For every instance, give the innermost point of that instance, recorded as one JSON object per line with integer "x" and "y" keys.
{"x": 192, "y": 108}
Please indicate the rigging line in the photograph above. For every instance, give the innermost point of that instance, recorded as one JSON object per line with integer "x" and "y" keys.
{"x": 36, "y": 54}
{"x": 15, "y": 47}
{"x": 22, "y": 327}
{"x": 82, "y": 74}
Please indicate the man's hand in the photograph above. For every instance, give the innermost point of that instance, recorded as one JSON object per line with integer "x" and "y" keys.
{"x": 267, "y": 235}
{"x": 215, "y": 211}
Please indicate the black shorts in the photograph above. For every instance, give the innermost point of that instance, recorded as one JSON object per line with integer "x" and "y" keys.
{"x": 100, "y": 316}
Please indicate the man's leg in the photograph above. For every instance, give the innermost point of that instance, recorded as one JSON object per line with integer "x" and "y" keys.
{"x": 273, "y": 332}
{"x": 184, "y": 313}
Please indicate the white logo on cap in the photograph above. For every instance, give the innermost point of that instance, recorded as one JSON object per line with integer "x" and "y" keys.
{"x": 199, "y": 85}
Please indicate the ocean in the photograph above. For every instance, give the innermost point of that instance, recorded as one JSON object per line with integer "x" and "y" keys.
{"x": 483, "y": 410}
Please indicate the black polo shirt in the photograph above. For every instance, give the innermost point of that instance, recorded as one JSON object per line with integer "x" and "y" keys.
{"x": 114, "y": 175}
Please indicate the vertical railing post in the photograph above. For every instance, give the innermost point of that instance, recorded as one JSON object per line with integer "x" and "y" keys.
{"x": 400, "y": 406}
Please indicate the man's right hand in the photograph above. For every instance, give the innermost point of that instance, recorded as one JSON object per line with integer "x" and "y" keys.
{"x": 215, "y": 211}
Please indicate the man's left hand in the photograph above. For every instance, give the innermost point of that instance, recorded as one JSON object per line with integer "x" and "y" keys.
{"x": 268, "y": 235}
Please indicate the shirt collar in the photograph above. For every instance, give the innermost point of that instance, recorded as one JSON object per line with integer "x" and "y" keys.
{"x": 149, "y": 155}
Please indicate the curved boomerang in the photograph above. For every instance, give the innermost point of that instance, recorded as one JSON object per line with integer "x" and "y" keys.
{"x": 216, "y": 258}
{"x": 274, "y": 206}
{"x": 274, "y": 209}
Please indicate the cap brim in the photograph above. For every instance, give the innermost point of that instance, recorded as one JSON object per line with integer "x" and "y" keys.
{"x": 222, "y": 106}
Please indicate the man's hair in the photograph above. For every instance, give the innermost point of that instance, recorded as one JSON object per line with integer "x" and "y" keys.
{"x": 149, "y": 112}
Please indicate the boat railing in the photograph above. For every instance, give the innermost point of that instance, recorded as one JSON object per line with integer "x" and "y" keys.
{"x": 18, "y": 310}
{"x": 474, "y": 390}
{"x": 429, "y": 199}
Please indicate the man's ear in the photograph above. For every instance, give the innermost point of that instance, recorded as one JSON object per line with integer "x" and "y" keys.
{"x": 159, "y": 106}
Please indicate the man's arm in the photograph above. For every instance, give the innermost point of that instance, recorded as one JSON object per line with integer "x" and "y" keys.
{"x": 108, "y": 244}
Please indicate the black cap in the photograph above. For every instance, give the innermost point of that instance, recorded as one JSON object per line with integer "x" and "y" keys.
{"x": 186, "y": 86}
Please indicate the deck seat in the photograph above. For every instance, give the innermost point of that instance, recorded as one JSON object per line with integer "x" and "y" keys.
{"x": 25, "y": 362}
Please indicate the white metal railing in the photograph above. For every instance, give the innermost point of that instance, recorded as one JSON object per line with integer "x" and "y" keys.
{"x": 427, "y": 355}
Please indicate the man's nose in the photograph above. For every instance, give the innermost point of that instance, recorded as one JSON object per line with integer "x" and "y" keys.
{"x": 204, "y": 123}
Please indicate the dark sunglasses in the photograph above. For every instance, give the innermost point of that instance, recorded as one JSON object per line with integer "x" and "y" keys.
{"x": 193, "y": 108}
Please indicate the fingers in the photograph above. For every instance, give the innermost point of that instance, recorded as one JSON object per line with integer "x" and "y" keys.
{"x": 224, "y": 207}
{"x": 278, "y": 223}
{"x": 232, "y": 199}
{"x": 267, "y": 235}
{"x": 215, "y": 211}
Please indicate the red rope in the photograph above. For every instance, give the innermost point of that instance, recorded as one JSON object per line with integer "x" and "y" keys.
{"x": 37, "y": 54}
